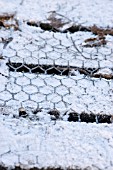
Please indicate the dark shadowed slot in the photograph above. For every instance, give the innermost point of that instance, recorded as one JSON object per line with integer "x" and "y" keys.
{"x": 77, "y": 28}
{"x": 73, "y": 116}
{"x": 34, "y": 168}
{"x": 13, "y": 67}
{"x": 47, "y": 168}
{"x": 38, "y": 70}
{"x": 104, "y": 119}
{"x": 65, "y": 71}
{"x": 98, "y": 76}
{"x": 23, "y": 69}
{"x": 46, "y": 26}
{"x": 54, "y": 113}
{"x": 34, "y": 24}
{"x": 74, "y": 28}
{"x": 87, "y": 118}
{"x": 3, "y": 167}
{"x": 51, "y": 27}
{"x": 22, "y": 113}
{"x": 55, "y": 70}
{"x": 36, "y": 111}
{"x": 106, "y": 76}
{"x": 1, "y": 24}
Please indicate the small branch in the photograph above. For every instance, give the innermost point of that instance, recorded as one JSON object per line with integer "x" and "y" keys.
{"x": 77, "y": 48}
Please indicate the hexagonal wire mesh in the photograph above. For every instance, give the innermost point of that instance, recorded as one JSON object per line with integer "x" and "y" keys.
{"x": 57, "y": 71}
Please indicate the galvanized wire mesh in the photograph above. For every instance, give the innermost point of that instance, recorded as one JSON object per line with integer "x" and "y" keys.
{"x": 56, "y": 70}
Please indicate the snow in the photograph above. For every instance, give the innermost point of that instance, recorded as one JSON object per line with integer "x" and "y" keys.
{"x": 32, "y": 143}
{"x": 94, "y": 13}
{"x": 27, "y": 49}
{"x": 7, "y": 6}
{"x": 76, "y": 92}
{"x": 38, "y": 141}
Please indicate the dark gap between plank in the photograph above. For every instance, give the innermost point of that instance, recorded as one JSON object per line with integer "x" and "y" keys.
{"x": 54, "y": 70}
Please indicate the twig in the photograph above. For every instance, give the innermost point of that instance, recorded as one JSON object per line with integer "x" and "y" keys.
{"x": 77, "y": 48}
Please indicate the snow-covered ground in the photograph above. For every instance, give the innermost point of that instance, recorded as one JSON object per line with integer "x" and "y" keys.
{"x": 61, "y": 92}
{"x": 45, "y": 144}
{"x": 40, "y": 142}
{"x": 80, "y": 11}
{"x": 75, "y": 91}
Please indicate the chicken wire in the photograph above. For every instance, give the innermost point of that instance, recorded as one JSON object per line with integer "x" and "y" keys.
{"x": 52, "y": 70}
{"x": 66, "y": 72}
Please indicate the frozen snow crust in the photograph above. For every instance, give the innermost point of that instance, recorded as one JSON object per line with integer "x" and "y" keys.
{"x": 56, "y": 85}
{"x": 62, "y": 144}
